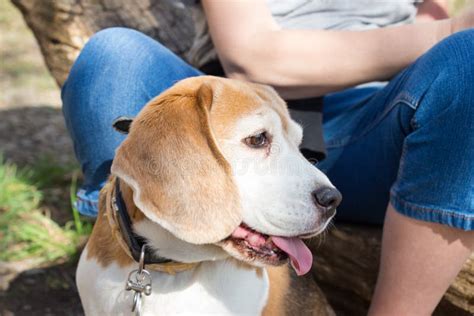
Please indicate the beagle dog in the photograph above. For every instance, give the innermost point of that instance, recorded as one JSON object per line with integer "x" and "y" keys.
{"x": 211, "y": 194}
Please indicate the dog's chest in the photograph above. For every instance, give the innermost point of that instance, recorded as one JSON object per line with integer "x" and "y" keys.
{"x": 218, "y": 288}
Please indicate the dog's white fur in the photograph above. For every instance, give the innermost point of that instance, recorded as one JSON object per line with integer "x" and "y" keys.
{"x": 275, "y": 188}
{"x": 203, "y": 291}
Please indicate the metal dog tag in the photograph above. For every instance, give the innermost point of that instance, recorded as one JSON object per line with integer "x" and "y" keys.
{"x": 139, "y": 281}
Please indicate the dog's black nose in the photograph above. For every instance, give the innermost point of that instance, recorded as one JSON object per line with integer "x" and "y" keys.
{"x": 327, "y": 197}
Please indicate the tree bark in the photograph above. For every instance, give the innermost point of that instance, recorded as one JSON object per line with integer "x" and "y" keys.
{"x": 347, "y": 261}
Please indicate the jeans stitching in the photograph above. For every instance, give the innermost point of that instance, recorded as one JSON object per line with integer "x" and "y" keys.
{"x": 403, "y": 97}
{"x": 424, "y": 209}
{"x": 341, "y": 143}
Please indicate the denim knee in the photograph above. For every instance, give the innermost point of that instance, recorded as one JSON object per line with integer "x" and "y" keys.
{"x": 111, "y": 47}
{"x": 115, "y": 60}
{"x": 106, "y": 41}
{"x": 451, "y": 72}
{"x": 435, "y": 180}
{"x": 120, "y": 54}
{"x": 458, "y": 62}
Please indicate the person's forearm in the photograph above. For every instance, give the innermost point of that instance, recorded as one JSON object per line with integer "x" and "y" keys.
{"x": 430, "y": 10}
{"x": 305, "y": 63}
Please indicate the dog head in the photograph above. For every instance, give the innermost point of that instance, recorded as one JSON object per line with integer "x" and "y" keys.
{"x": 216, "y": 161}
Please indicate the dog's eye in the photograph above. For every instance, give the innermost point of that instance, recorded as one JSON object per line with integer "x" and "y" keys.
{"x": 257, "y": 141}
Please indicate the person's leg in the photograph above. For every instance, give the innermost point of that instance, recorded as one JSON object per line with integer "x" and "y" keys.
{"x": 419, "y": 261}
{"x": 117, "y": 73}
{"x": 412, "y": 143}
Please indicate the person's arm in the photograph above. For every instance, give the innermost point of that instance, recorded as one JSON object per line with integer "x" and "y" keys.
{"x": 430, "y": 10}
{"x": 305, "y": 63}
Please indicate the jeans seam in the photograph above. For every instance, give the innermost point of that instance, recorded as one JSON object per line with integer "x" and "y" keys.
{"x": 339, "y": 143}
{"x": 403, "y": 97}
{"x": 424, "y": 209}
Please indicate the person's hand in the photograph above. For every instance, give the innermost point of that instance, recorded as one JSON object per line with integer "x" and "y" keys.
{"x": 463, "y": 21}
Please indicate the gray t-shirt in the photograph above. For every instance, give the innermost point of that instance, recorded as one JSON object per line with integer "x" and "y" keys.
{"x": 342, "y": 14}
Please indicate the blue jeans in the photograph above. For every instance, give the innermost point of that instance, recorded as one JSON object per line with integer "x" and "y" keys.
{"x": 409, "y": 142}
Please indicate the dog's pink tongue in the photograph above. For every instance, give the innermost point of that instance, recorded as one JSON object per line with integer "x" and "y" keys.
{"x": 300, "y": 256}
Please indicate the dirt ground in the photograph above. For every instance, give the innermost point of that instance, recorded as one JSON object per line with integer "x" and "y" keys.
{"x": 31, "y": 127}
{"x": 46, "y": 292}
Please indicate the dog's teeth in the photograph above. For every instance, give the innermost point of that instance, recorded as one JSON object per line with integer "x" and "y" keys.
{"x": 256, "y": 240}
{"x": 240, "y": 232}
{"x": 253, "y": 240}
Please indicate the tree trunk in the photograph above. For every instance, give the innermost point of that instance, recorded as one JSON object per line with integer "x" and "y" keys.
{"x": 346, "y": 262}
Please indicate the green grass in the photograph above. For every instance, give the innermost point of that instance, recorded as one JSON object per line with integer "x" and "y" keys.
{"x": 26, "y": 230}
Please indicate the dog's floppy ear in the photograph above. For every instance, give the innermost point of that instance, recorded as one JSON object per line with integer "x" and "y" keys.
{"x": 122, "y": 124}
{"x": 179, "y": 177}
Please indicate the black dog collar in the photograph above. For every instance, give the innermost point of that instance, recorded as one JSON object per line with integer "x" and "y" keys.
{"x": 133, "y": 241}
